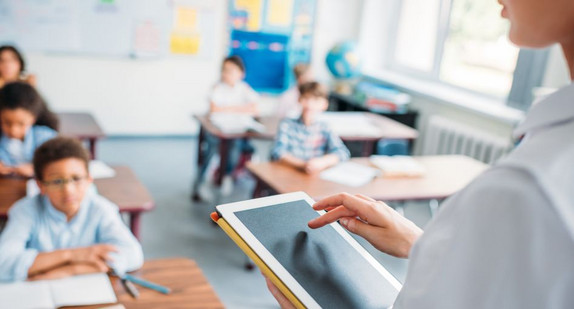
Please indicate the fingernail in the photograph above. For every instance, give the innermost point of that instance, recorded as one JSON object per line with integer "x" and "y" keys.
{"x": 344, "y": 222}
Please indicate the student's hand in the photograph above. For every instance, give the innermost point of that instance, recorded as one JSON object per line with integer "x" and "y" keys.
{"x": 6, "y": 170}
{"x": 293, "y": 161}
{"x": 375, "y": 221}
{"x": 315, "y": 165}
{"x": 97, "y": 255}
{"x": 281, "y": 299}
{"x": 26, "y": 170}
{"x": 67, "y": 271}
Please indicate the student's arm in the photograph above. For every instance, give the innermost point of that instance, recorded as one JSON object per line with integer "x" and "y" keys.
{"x": 26, "y": 170}
{"x": 113, "y": 231}
{"x": 316, "y": 165}
{"x": 67, "y": 271}
{"x": 252, "y": 98}
{"x": 289, "y": 159}
{"x": 95, "y": 256}
{"x": 15, "y": 257}
{"x": 280, "y": 151}
{"x": 336, "y": 146}
{"x": 5, "y": 169}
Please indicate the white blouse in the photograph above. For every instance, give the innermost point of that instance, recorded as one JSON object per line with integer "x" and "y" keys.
{"x": 507, "y": 240}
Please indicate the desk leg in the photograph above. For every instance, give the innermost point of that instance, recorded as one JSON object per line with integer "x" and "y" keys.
{"x": 200, "y": 152}
{"x": 224, "y": 147}
{"x": 433, "y": 207}
{"x": 135, "y": 218}
{"x": 259, "y": 187}
{"x": 368, "y": 148}
{"x": 400, "y": 207}
{"x": 200, "y": 161}
{"x": 92, "y": 145}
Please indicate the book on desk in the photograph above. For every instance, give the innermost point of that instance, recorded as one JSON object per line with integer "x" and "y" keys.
{"x": 91, "y": 289}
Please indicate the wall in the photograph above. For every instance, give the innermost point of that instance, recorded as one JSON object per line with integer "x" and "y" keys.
{"x": 132, "y": 96}
{"x": 157, "y": 97}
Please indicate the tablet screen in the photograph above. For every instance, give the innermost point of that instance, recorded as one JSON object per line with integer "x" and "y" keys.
{"x": 322, "y": 261}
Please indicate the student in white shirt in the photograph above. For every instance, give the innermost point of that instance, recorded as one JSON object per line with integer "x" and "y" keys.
{"x": 507, "y": 240}
{"x": 289, "y": 101}
{"x": 230, "y": 95}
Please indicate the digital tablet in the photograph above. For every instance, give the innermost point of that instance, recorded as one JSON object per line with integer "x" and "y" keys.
{"x": 321, "y": 268}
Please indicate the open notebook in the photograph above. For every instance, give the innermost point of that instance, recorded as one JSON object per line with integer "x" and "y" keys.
{"x": 92, "y": 289}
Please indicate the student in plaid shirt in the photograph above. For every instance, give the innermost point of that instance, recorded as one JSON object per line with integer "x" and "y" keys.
{"x": 306, "y": 143}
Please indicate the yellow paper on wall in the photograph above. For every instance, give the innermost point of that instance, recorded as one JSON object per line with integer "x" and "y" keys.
{"x": 253, "y": 8}
{"x": 279, "y": 12}
{"x": 185, "y": 44}
{"x": 186, "y": 18}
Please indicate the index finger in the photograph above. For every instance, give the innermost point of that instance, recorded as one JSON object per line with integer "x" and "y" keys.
{"x": 366, "y": 209}
{"x": 330, "y": 217}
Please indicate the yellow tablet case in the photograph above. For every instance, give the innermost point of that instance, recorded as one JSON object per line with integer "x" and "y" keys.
{"x": 256, "y": 259}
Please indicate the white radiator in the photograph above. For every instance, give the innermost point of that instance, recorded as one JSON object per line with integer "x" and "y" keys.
{"x": 444, "y": 136}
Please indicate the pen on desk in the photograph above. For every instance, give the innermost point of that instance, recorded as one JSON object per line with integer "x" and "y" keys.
{"x": 130, "y": 288}
{"x": 147, "y": 284}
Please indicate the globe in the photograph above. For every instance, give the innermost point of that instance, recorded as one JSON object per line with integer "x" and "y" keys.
{"x": 343, "y": 60}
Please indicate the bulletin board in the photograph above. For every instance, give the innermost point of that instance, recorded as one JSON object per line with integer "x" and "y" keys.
{"x": 271, "y": 36}
{"x": 124, "y": 28}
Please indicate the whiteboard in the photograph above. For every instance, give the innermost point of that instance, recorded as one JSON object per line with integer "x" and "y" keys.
{"x": 124, "y": 28}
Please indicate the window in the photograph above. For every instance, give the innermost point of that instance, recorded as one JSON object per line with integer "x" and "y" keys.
{"x": 477, "y": 53}
{"x": 462, "y": 43}
{"x": 416, "y": 39}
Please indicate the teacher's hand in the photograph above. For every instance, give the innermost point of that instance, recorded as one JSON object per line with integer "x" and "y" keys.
{"x": 281, "y": 299}
{"x": 375, "y": 221}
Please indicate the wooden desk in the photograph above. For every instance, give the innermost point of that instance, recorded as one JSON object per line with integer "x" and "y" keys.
{"x": 445, "y": 176}
{"x": 125, "y": 190}
{"x": 387, "y": 129}
{"x": 83, "y": 126}
{"x": 189, "y": 287}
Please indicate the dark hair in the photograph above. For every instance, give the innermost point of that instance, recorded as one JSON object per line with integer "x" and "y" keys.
{"x": 57, "y": 149}
{"x": 22, "y": 95}
{"x": 237, "y": 61}
{"x": 313, "y": 89}
{"x": 18, "y": 55}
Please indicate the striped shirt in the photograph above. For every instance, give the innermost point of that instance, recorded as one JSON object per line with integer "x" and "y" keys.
{"x": 307, "y": 142}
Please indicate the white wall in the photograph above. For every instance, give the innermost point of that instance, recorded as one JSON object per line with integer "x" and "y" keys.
{"x": 132, "y": 96}
{"x": 335, "y": 21}
{"x": 157, "y": 97}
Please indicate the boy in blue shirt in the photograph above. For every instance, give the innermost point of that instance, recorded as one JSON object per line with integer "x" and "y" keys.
{"x": 306, "y": 143}
{"x": 67, "y": 229}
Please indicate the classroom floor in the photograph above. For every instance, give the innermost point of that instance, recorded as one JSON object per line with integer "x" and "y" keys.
{"x": 178, "y": 227}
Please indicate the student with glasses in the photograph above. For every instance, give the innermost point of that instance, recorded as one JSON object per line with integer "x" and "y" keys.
{"x": 67, "y": 229}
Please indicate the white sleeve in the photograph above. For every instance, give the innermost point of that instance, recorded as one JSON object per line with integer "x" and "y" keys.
{"x": 497, "y": 244}
{"x": 251, "y": 96}
{"x": 15, "y": 257}
{"x": 113, "y": 231}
